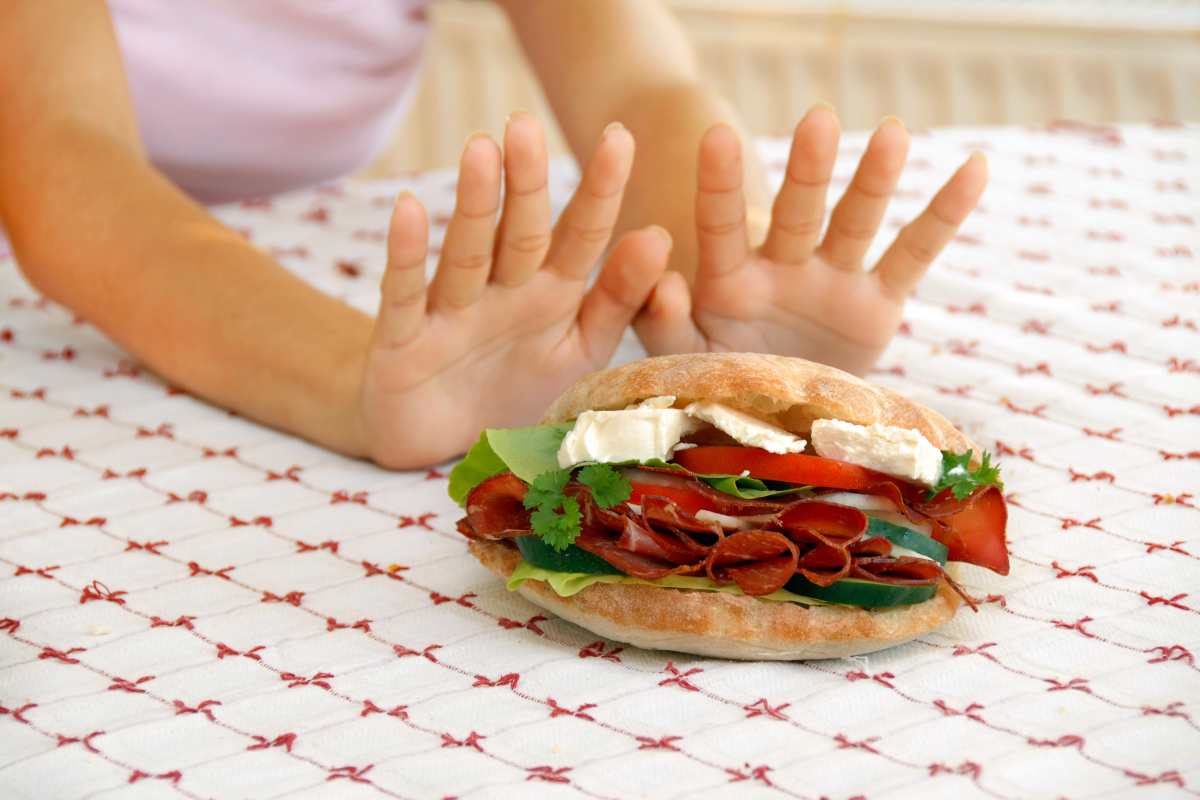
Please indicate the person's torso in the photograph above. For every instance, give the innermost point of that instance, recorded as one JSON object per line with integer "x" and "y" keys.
{"x": 237, "y": 98}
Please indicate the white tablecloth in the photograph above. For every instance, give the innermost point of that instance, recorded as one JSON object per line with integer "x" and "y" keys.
{"x": 194, "y": 604}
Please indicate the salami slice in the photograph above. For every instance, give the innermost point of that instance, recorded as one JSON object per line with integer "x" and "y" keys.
{"x": 903, "y": 571}
{"x": 634, "y": 564}
{"x": 824, "y": 564}
{"x": 496, "y": 510}
{"x": 643, "y": 540}
{"x": 836, "y": 524}
{"x": 759, "y": 562}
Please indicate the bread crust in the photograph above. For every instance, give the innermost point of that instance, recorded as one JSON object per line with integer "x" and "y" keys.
{"x": 789, "y": 392}
{"x": 724, "y": 625}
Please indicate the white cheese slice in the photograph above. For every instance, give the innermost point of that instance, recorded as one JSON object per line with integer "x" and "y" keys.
{"x": 644, "y": 433}
{"x": 745, "y": 429}
{"x": 900, "y": 452}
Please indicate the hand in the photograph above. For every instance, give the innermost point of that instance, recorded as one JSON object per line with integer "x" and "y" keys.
{"x": 507, "y": 322}
{"x": 799, "y": 294}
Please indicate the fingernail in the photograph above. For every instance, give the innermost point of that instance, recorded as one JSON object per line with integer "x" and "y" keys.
{"x": 663, "y": 232}
{"x": 611, "y": 127}
{"x": 475, "y": 135}
{"x": 518, "y": 112}
{"x": 890, "y": 119}
{"x": 404, "y": 196}
{"x": 820, "y": 105}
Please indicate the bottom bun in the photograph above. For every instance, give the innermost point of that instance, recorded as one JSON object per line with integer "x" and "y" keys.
{"x": 726, "y": 625}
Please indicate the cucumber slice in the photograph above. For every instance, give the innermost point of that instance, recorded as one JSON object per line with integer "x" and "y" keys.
{"x": 908, "y": 538}
{"x": 857, "y": 592}
{"x": 573, "y": 559}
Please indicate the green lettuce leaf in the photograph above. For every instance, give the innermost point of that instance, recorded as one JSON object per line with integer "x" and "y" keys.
{"x": 566, "y": 584}
{"x": 526, "y": 452}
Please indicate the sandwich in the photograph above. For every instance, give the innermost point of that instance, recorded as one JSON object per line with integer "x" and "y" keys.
{"x": 735, "y": 505}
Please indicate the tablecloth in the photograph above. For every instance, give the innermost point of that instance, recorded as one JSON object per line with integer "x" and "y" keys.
{"x": 192, "y": 604}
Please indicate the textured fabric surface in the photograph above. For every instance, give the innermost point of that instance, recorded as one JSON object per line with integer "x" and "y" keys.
{"x": 193, "y": 604}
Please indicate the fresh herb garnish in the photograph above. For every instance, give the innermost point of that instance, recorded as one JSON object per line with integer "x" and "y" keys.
{"x": 960, "y": 479}
{"x": 609, "y": 487}
{"x": 556, "y": 517}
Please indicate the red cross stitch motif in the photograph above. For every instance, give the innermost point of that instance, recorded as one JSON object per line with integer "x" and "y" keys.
{"x": 67, "y": 522}
{"x": 472, "y": 739}
{"x": 374, "y": 569}
{"x": 222, "y": 573}
{"x": 680, "y": 678}
{"x": 9, "y": 624}
{"x": 64, "y": 656}
{"x": 291, "y": 598}
{"x": 64, "y": 452}
{"x": 529, "y": 624}
{"x": 133, "y": 687}
{"x": 661, "y": 743}
{"x": 181, "y": 621}
{"x": 173, "y": 776}
{"x": 204, "y": 707}
{"x": 761, "y": 707}
{"x": 292, "y": 473}
{"x": 284, "y": 740}
{"x": 1081, "y": 572}
{"x": 401, "y": 651}
{"x": 1074, "y": 684}
{"x": 1173, "y": 652}
{"x": 328, "y": 544}
{"x": 98, "y": 591}
{"x": 1173, "y": 602}
{"x": 344, "y": 496}
{"x": 548, "y": 774}
{"x": 401, "y": 712}
{"x": 1077, "y": 625}
{"x": 1095, "y": 476}
{"x": 293, "y": 680}
{"x": 747, "y": 772}
{"x": 970, "y": 711}
{"x": 463, "y": 599}
{"x": 601, "y": 649}
{"x": 356, "y": 774}
{"x": 363, "y": 625}
{"x": 509, "y": 679}
{"x": 41, "y": 572}
{"x": 420, "y": 521}
{"x": 1173, "y": 547}
{"x": 264, "y": 522}
{"x": 18, "y": 713}
{"x": 224, "y": 650}
{"x": 148, "y": 547}
{"x": 195, "y": 496}
{"x": 557, "y": 711}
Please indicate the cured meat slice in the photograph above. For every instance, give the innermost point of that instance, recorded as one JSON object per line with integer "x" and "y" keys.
{"x": 495, "y": 508}
{"x": 759, "y": 562}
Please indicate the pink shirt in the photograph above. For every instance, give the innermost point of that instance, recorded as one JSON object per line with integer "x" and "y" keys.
{"x": 237, "y": 98}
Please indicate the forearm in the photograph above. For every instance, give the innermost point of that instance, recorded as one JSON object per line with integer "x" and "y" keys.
{"x": 667, "y": 124}
{"x": 114, "y": 241}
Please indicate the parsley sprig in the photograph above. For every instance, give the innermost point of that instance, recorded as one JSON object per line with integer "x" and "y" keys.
{"x": 556, "y": 516}
{"x": 960, "y": 479}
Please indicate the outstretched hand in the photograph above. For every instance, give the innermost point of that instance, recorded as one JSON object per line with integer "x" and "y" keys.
{"x": 802, "y": 294}
{"x": 508, "y": 321}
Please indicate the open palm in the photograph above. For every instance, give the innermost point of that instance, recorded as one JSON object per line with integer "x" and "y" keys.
{"x": 800, "y": 294}
{"x": 508, "y": 321}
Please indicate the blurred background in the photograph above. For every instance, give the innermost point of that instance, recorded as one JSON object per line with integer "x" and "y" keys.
{"x": 930, "y": 62}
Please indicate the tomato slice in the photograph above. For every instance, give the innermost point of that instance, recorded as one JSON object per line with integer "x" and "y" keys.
{"x": 687, "y": 499}
{"x": 975, "y": 535}
{"x": 789, "y": 467}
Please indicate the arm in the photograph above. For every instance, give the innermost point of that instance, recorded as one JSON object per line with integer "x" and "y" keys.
{"x": 628, "y": 60}
{"x": 98, "y": 229}
{"x": 95, "y": 227}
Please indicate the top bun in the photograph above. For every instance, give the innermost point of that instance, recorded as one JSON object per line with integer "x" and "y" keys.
{"x": 788, "y": 392}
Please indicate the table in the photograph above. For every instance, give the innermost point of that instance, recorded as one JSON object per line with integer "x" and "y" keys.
{"x": 192, "y": 604}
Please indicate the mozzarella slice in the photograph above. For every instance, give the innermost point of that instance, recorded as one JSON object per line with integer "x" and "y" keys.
{"x": 645, "y": 433}
{"x": 745, "y": 429}
{"x": 900, "y": 452}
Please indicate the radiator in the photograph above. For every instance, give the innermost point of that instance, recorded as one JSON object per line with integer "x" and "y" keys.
{"x": 935, "y": 63}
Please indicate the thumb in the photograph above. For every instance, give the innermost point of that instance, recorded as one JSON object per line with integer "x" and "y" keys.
{"x": 629, "y": 274}
{"x": 665, "y": 325}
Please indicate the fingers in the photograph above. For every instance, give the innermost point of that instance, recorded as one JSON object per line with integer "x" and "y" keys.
{"x": 919, "y": 242}
{"x": 720, "y": 205}
{"x": 629, "y": 274}
{"x": 857, "y": 216}
{"x": 402, "y": 300}
{"x": 664, "y": 325}
{"x": 799, "y": 211}
{"x": 466, "y": 259}
{"x": 524, "y": 235}
{"x": 587, "y": 223}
